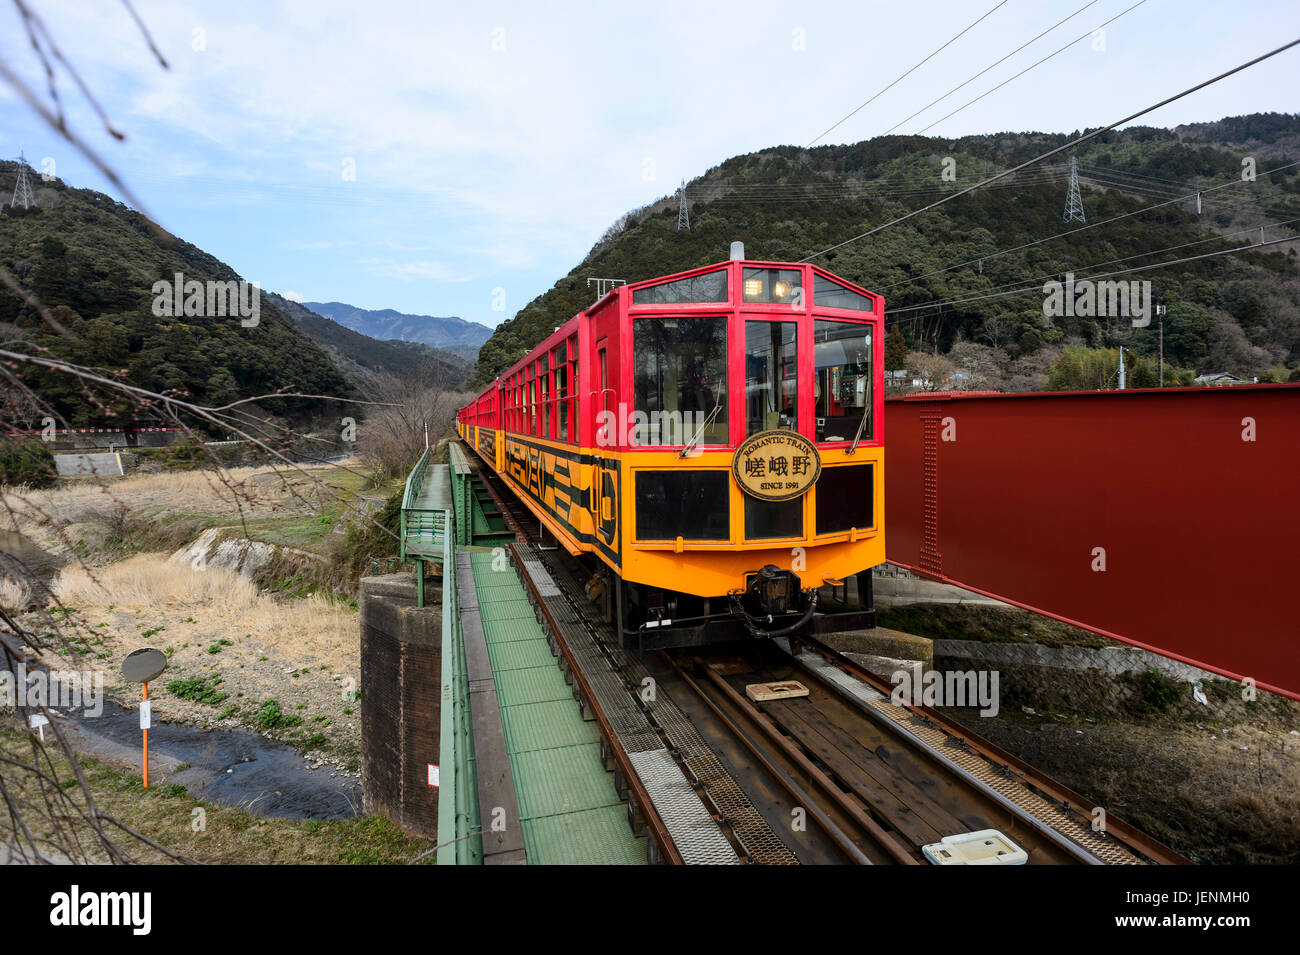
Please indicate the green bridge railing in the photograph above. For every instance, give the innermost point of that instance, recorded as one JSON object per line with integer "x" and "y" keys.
{"x": 459, "y": 839}
{"x": 423, "y": 529}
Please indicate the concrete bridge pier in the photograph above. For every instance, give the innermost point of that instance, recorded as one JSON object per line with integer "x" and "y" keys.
{"x": 401, "y": 699}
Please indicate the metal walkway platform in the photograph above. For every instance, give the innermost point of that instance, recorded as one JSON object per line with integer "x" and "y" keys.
{"x": 568, "y": 807}
{"x": 522, "y": 776}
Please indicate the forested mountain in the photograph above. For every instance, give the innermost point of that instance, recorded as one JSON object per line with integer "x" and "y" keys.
{"x": 358, "y": 356}
{"x": 1238, "y": 313}
{"x": 386, "y": 323}
{"x": 93, "y": 263}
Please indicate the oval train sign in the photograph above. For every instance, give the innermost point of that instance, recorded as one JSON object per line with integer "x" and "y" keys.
{"x": 776, "y": 465}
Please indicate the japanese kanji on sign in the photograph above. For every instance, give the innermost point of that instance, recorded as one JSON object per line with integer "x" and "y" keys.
{"x": 776, "y": 465}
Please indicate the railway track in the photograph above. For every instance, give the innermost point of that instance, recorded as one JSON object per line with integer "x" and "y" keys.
{"x": 841, "y": 775}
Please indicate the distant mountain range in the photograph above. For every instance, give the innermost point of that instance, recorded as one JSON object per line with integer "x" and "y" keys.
{"x": 357, "y": 355}
{"x": 94, "y": 264}
{"x": 452, "y": 333}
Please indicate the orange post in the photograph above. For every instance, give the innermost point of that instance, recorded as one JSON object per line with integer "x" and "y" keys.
{"x": 146, "y": 743}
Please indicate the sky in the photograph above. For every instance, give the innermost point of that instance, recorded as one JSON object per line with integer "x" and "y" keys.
{"x": 458, "y": 159}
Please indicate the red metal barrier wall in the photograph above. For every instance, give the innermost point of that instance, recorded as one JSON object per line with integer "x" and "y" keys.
{"x": 1189, "y": 498}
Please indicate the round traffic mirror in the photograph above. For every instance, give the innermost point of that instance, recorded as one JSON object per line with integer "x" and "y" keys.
{"x": 143, "y": 665}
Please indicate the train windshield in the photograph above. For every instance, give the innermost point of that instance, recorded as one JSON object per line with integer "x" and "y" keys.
{"x": 843, "y": 361}
{"x": 771, "y": 377}
{"x": 680, "y": 368}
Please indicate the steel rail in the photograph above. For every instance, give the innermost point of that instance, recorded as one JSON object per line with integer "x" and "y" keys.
{"x": 849, "y": 805}
{"x": 1061, "y": 796}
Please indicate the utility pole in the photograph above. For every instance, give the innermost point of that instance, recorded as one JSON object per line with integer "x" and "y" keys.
{"x": 1073, "y": 199}
{"x": 1160, "y": 313}
{"x": 23, "y": 188}
{"x": 1122, "y": 379}
{"x": 683, "y": 214}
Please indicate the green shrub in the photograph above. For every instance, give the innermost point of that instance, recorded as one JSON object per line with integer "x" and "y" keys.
{"x": 26, "y": 461}
{"x": 197, "y": 689}
{"x": 364, "y": 542}
{"x": 1158, "y": 692}
{"x": 271, "y": 717}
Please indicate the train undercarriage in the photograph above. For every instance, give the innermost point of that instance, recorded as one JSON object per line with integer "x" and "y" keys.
{"x": 774, "y": 604}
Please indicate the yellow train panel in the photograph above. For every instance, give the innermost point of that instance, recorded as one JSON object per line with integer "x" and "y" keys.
{"x": 555, "y": 481}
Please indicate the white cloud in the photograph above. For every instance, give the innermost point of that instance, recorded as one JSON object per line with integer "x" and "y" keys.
{"x": 412, "y": 271}
{"x": 505, "y": 167}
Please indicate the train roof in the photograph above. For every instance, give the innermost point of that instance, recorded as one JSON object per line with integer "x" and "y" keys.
{"x": 733, "y": 298}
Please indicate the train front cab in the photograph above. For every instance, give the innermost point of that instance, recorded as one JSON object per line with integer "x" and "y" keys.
{"x": 687, "y": 369}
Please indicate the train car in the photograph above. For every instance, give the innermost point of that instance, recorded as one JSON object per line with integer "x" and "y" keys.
{"x": 712, "y": 442}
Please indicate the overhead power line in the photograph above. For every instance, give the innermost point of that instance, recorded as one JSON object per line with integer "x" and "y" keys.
{"x": 1030, "y": 284}
{"x": 1094, "y": 225}
{"x": 1059, "y": 149}
{"x": 1034, "y": 287}
{"x": 905, "y": 75}
{"x": 1031, "y": 66}
{"x": 987, "y": 68}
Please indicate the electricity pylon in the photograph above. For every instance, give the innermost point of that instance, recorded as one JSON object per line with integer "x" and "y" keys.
{"x": 683, "y": 215}
{"x": 23, "y": 189}
{"x": 1073, "y": 201}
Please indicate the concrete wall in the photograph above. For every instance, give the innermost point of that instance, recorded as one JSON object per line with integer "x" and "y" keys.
{"x": 401, "y": 699}
{"x": 86, "y": 465}
{"x": 895, "y": 587}
{"x": 1109, "y": 660}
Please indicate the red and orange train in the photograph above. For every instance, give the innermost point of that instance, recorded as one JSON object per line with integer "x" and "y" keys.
{"x": 712, "y": 442}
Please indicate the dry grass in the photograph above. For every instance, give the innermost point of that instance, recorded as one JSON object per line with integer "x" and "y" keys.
{"x": 303, "y": 653}
{"x": 148, "y": 580}
{"x": 175, "y": 490}
{"x": 14, "y": 594}
{"x": 97, "y": 522}
{"x": 254, "y": 492}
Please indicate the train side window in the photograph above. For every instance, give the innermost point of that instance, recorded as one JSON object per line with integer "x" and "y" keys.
{"x": 545, "y": 406}
{"x": 560, "y": 390}
{"x": 571, "y": 413}
{"x": 531, "y": 398}
{"x": 604, "y": 435}
{"x": 680, "y": 380}
{"x": 842, "y": 359}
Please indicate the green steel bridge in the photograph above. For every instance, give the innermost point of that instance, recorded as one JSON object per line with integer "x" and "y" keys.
{"x": 512, "y": 737}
